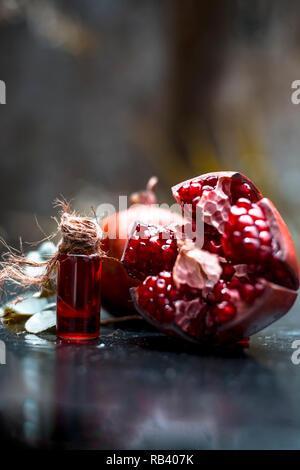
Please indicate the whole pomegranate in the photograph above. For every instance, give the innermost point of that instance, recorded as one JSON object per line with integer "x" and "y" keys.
{"x": 244, "y": 276}
{"x": 115, "y": 280}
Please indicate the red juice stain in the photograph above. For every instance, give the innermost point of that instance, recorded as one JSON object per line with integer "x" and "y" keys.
{"x": 78, "y": 296}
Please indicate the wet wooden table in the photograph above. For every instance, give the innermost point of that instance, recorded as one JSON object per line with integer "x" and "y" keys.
{"x": 137, "y": 389}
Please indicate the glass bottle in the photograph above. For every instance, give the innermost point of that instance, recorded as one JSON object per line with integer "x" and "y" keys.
{"x": 78, "y": 296}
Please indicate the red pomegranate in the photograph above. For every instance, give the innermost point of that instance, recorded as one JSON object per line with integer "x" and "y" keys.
{"x": 115, "y": 280}
{"x": 244, "y": 277}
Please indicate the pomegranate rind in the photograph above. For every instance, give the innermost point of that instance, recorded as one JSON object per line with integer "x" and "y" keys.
{"x": 273, "y": 304}
{"x": 115, "y": 287}
{"x": 279, "y": 230}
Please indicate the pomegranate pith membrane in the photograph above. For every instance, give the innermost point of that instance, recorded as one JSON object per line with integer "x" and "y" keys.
{"x": 251, "y": 243}
{"x": 78, "y": 296}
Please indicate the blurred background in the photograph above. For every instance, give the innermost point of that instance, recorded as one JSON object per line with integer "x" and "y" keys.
{"x": 103, "y": 94}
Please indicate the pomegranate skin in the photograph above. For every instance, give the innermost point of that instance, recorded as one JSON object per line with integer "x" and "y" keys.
{"x": 272, "y": 305}
{"x": 280, "y": 231}
{"x": 115, "y": 297}
{"x": 279, "y": 276}
{"x": 115, "y": 280}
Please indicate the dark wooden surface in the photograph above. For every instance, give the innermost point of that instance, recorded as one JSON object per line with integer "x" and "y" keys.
{"x": 137, "y": 389}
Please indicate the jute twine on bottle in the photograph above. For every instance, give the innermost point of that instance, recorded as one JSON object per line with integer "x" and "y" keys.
{"x": 80, "y": 235}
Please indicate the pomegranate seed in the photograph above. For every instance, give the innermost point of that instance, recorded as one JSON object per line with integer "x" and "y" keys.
{"x": 265, "y": 238}
{"x": 246, "y": 236}
{"x": 235, "y": 284}
{"x": 211, "y": 181}
{"x": 236, "y": 237}
{"x": 166, "y": 275}
{"x": 195, "y": 202}
{"x": 207, "y": 188}
{"x": 259, "y": 288}
{"x": 250, "y": 245}
{"x": 243, "y": 202}
{"x": 242, "y": 191}
{"x": 191, "y": 192}
{"x": 228, "y": 272}
{"x": 184, "y": 192}
{"x": 248, "y": 292}
{"x": 261, "y": 225}
{"x": 244, "y": 221}
{"x": 265, "y": 254}
{"x": 236, "y": 212}
{"x": 160, "y": 285}
{"x": 225, "y": 294}
{"x": 159, "y": 302}
{"x": 168, "y": 313}
{"x": 173, "y": 293}
{"x": 256, "y": 213}
{"x": 150, "y": 250}
{"x": 251, "y": 232}
{"x": 224, "y": 312}
{"x": 194, "y": 190}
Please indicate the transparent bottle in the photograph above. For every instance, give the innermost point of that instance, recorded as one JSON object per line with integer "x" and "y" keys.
{"x": 78, "y": 296}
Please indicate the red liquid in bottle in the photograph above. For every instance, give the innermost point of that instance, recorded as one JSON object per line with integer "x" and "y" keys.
{"x": 78, "y": 296}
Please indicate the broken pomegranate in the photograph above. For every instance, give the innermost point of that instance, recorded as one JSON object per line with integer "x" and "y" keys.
{"x": 243, "y": 277}
{"x": 116, "y": 283}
